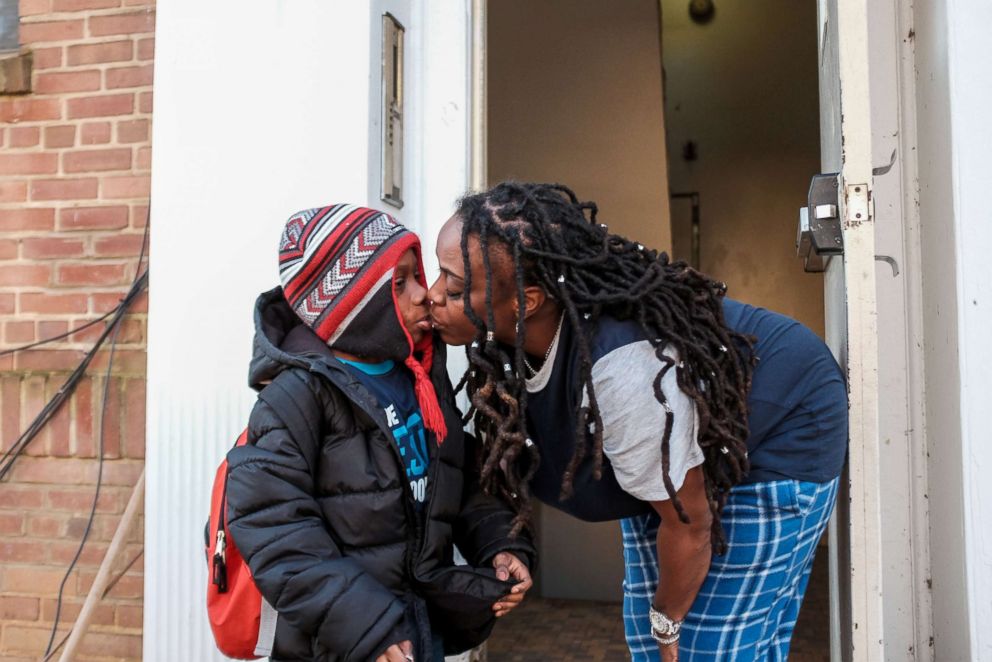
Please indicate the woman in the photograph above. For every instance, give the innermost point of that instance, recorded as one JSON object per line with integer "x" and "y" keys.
{"x": 614, "y": 384}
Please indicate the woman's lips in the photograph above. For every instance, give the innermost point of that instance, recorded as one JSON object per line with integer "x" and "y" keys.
{"x": 425, "y": 324}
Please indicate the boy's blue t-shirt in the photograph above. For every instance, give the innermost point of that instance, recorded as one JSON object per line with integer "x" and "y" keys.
{"x": 392, "y": 386}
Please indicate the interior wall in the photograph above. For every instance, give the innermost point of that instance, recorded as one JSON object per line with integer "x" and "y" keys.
{"x": 744, "y": 89}
{"x": 574, "y": 96}
{"x": 574, "y": 89}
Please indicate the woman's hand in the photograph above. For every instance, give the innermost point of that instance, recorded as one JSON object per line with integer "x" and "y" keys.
{"x": 670, "y": 652}
{"x": 401, "y": 652}
{"x": 508, "y": 565}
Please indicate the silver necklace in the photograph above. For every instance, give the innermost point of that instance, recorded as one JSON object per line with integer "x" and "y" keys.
{"x": 527, "y": 364}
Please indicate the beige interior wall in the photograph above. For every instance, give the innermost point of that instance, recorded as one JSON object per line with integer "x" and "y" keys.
{"x": 744, "y": 89}
{"x": 574, "y": 91}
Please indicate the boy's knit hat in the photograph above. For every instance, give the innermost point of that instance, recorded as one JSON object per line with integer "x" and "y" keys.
{"x": 336, "y": 264}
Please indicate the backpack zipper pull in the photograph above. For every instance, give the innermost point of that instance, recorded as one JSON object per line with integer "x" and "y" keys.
{"x": 220, "y": 562}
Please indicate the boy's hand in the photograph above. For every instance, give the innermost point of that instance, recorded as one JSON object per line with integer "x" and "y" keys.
{"x": 401, "y": 652}
{"x": 509, "y": 566}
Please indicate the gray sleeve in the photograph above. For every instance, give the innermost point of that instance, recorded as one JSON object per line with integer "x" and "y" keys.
{"x": 634, "y": 420}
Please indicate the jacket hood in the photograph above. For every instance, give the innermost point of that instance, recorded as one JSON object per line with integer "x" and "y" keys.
{"x": 281, "y": 340}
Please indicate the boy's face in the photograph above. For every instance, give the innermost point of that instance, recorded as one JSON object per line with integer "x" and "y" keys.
{"x": 411, "y": 296}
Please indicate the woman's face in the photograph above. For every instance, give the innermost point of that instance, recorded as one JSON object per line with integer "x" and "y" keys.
{"x": 448, "y": 291}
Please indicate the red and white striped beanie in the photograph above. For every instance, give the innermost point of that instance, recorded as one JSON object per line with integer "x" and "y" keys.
{"x": 336, "y": 265}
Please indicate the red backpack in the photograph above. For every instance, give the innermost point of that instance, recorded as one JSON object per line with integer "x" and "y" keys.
{"x": 243, "y": 623}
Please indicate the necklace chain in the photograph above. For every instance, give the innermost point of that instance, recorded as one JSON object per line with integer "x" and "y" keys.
{"x": 527, "y": 364}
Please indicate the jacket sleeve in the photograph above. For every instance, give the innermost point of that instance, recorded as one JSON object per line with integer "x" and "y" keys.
{"x": 279, "y": 530}
{"x": 482, "y": 529}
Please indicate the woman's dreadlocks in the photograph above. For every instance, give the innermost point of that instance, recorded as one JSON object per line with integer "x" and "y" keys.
{"x": 557, "y": 244}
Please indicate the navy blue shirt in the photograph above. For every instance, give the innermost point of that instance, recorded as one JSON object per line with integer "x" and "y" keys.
{"x": 798, "y": 419}
{"x": 798, "y": 399}
{"x": 392, "y": 386}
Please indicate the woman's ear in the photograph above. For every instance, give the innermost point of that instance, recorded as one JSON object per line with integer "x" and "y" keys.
{"x": 534, "y": 298}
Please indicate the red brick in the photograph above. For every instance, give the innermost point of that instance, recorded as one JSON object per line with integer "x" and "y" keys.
{"x": 18, "y": 333}
{"x": 47, "y": 526}
{"x": 83, "y": 5}
{"x": 130, "y": 616}
{"x": 139, "y": 76}
{"x": 132, "y": 131}
{"x": 46, "y": 58}
{"x": 145, "y": 102}
{"x": 102, "y": 303}
{"x": 28, "y": 164}
{"x": 61, "y": 553}
{"x": 139, "y": 217}
{"x": 111, "y": 51}
{"x": 25, "y": 274}
{"x": 100, "y": 106}
{"x": 9, "y": 249}
{"x": 24, "y": 136}
{"x": 91, "y": 274}
{"x": 117, "y": 645}
{"x": 52, "y": 328}
{"x": 64, "y": 189}
{"x": 45, "y": 303}
{"x": 82, "y": 418}
{"x": 35, "y": 7}
{"x": 10, "y": 419}
{"x": 129, "y": 24}
{"x": 112, "y": 417}
{"x": 60, "y": 136}
{"x": 14, "y": 608}
{"x": 134, "y": 419}
{"x": 130, "y": 585}
{"x": 7, "y": 303}
{"x": 35, "y": 248}
{"x": 93, "y": 218}
{"x": 20, "y": 551}
{"x": 21, "y": 496}
{"x": 48, "y": 360}
{"x": 79, "y": 500}
{"x": 143, "y": 159}
{"x": 33, "y": 33}
{"x": 88, "y": 334}
{"x": 146, "y": 48}
{"x": 62, "y": 471}
{"x": 96, "y": 160}
{"x": 94, "y": 133}
{"x": 11, "y": 524}
{"x": 13, "y": 191}
{"x": 102, "y": 614}
{"x": 67, "y": 81}
{"x": 115, "y": 188}
{"x": 29, "y": 109}
{"x": 121, "y": 245}
{"x": 34, "y": 581}
{"x": 126, "y": 361}
{"x": 13, "y": 220}
{"x": 58, "y": 428}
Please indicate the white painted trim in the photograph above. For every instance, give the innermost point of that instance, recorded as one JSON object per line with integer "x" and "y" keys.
{"x": 862, "y": 334}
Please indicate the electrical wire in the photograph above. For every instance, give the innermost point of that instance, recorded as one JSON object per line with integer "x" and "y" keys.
{"x": 112, "y": 330}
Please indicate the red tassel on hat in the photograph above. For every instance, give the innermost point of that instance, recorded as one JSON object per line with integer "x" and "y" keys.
{"x": 427, "y": 399}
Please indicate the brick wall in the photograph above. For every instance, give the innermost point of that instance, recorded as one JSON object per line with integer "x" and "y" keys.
{"x": 74, "y": 181}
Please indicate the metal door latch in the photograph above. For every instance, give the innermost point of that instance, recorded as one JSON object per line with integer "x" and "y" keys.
{"x": 820, "y": 235}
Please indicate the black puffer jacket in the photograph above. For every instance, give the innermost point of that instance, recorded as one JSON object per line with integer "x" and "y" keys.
{"x": 330, "y": 531}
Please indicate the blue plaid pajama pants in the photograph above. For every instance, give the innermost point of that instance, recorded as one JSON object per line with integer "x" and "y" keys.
{"x": 748, "y": 603}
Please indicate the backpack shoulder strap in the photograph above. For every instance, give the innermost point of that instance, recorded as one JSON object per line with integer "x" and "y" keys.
{"x": 290, "y": 396}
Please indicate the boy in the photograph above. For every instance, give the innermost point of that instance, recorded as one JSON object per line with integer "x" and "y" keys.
{"x": 350, "y": 539}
